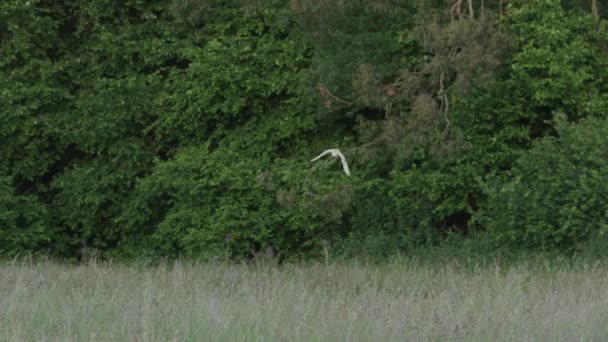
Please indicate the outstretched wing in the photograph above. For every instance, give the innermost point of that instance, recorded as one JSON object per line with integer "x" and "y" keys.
{"x": 322, "y": 154}
{"x": 344, "y": 163}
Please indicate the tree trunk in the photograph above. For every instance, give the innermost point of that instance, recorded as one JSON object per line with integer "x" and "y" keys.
{"x": 594, "y": 9}
{"x": 471, "y": 13}
{"x": 457, "y": 7}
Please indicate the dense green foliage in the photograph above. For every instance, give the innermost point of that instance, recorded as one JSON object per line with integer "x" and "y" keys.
{"x": 557, "y": 196}
{"x": 148, "y": 128}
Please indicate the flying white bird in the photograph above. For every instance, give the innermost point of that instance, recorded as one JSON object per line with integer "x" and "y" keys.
{"x": 336, "y": 154}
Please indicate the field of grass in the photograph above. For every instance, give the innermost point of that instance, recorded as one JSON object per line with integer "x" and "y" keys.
{"x": 402, "y": 300}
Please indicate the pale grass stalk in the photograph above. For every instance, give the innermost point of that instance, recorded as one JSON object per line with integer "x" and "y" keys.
{"x": 401, "y": 300}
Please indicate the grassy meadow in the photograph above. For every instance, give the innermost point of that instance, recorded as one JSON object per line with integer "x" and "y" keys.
{"x": 403, "y": 300}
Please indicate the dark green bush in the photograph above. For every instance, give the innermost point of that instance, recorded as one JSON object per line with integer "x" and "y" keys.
{"x": 205, "y": 204}
{"x": 23, "y": 222}
{"x": 373, "y": 224}
{"x": 558, "y": 194}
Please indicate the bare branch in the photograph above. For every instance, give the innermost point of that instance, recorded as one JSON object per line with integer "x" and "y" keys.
{"x": 457, "y": 7}
{"x": 329, "y": 97}
{"x": 471, "y": 12}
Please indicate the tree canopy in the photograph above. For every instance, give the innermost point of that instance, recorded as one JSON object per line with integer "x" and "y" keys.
{"x": 186, "y": 128}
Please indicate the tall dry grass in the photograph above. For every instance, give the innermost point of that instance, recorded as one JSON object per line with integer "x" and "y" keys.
{"x": 398, "y": 301}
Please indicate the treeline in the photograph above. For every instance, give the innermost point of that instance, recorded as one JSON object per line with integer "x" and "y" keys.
{"x": 147, "y": 128}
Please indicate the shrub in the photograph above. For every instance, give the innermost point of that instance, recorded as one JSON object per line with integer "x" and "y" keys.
{"x": 558, "y": 195}
{"x": 204, "y": 204}
{"x": 22, "y": 222}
